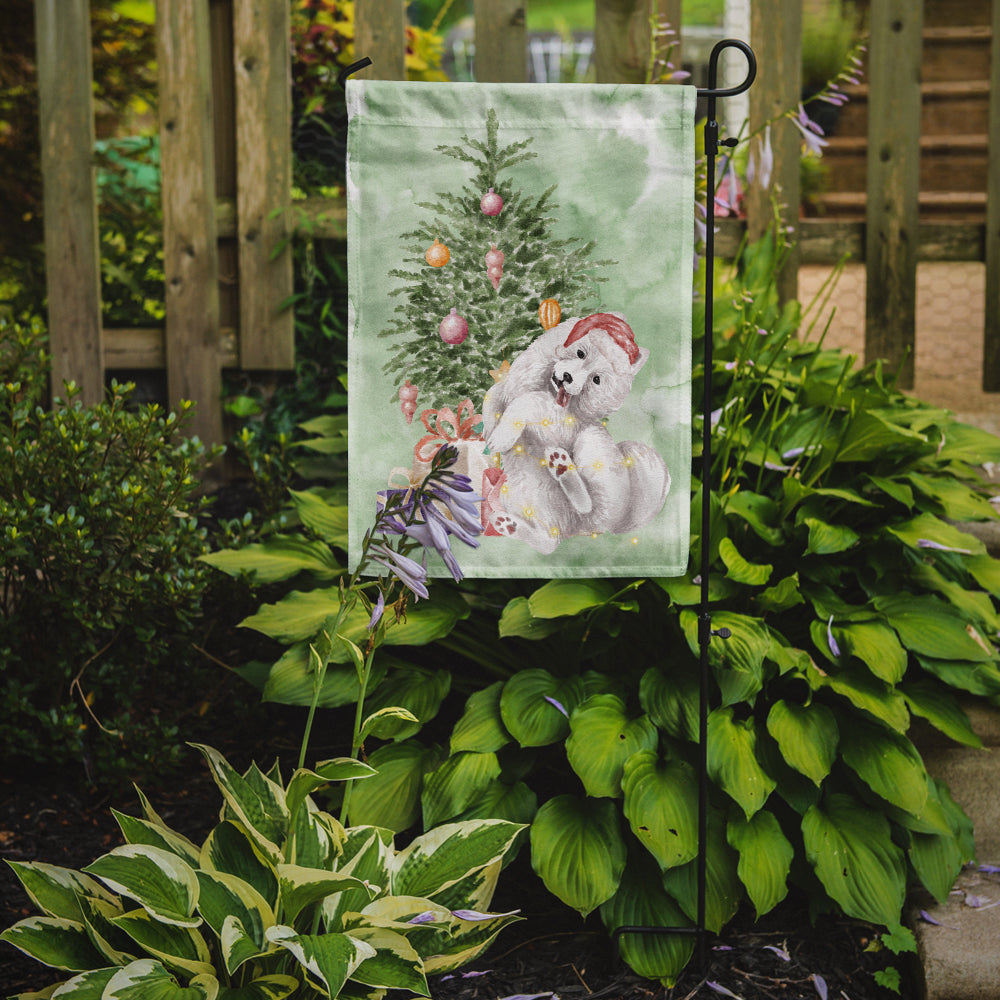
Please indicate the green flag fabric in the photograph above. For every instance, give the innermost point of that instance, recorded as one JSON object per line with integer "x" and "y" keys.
{"x": 520, "y": 279}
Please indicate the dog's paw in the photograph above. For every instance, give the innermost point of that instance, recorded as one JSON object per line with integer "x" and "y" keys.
{"x": 502, "y": 524}
{"x": 559, "y": 462}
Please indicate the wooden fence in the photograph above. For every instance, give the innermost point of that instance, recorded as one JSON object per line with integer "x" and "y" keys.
{"x": 226, "y": 161}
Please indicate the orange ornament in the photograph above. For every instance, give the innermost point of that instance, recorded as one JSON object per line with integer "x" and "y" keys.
{"x": 437, "y": 254}
{"x": 549, "y": 313}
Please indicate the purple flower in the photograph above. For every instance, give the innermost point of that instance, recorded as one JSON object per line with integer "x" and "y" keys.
{"x": 475, "y": 915}
{"x": 927, "y": 543}
{"x": 427, "y": 917}
{"x": 761, "y": 163}
{"x": 811, "y": 132}
{"x": 820, "y": 983}
{"x": 558, "y": 705}
{"x": 377, "y": 611}
{"x": 719, "y": 988}
{"x": 409, "y": 571}
{"x": 834, "y": 648}
{"x": 780, "y": 952}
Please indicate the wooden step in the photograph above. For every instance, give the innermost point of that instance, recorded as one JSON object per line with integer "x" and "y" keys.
{"x": 947, "y": 162}
{"x": 958, "y": 206}
{"x": 939, "y": 13}
{"x": 956, "y": 53}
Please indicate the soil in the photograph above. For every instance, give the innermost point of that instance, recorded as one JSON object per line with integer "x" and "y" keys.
{"x": 550, "y": 952}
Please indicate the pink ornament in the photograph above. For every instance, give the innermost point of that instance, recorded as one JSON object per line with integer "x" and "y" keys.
{"x": 494, "y": 265}
{"x": 453, "y": 329}
{"x": 492, "y": 203}
{"x": 408, "y": 400}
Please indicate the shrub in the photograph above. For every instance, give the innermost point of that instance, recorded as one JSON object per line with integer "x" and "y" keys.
{"x": 99, "y": 539}
{"x": 280, "y": 899}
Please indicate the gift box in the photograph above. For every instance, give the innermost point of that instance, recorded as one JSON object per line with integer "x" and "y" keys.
{"x": 459, "y": 429}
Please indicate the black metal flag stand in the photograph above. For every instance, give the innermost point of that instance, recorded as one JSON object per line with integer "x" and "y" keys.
{"x": 705, "y": 630}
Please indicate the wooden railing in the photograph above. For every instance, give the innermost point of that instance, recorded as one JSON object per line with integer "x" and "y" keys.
{"x": 226, "y": 161}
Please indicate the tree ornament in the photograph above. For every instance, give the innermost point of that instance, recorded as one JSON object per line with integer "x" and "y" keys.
{"x": 491, "y": 203}
{"x": 494, "y": 265}
{"x": 437, "y": 254}
{"x": 549, "y": 313}
{"x": 408, "y": 400}
{"x": 453, "y": 329}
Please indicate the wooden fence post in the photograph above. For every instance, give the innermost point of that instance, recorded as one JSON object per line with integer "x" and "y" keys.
{"x": 621, "y": 40}
{"x": 380, "y": 34}
{"x": 776, "y": 34}
{"x": 991, "y": 332}
{"x": 892, "y": 214}
{"x": 262, "y": 61}
{"x": 190, "y": 251}
{"x": 501, "y": 37}
{"x": 72, "y": 256}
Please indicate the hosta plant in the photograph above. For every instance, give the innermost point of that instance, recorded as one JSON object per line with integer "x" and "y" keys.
{"x": 279, "y": 900}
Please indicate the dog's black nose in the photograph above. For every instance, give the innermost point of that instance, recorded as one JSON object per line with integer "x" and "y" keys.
{"x": 567, "y": 378}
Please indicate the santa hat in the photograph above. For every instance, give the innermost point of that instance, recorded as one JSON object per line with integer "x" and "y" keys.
{"x": 614, "y": 326}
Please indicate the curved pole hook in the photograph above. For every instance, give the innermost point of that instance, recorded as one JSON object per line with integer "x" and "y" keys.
{"x": 353, "y": 68}
{"x": 713, "y": 69}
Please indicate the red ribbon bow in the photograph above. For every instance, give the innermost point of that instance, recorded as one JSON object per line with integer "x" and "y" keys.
{"x": 446, "y": 426}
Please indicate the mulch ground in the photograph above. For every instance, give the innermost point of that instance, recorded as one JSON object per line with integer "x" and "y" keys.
{"x": 551, "y": 952}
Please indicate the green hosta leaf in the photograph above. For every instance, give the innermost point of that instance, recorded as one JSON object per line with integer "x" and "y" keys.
{"x": 758, "y": 511}
{"x": 682, "y": 590}
{"x": 661, "y": 799}
{"x": 870, "y": 436}
{"x": 274, "y": 987}
{"x": 517, "y": 620}
{"x": 301, "y": 887}
{"x": 850, "y": 847}
{"x": 260, "y": 809}
{"x": 395, "y": 964}
{"x": 141, "y": 831}
{"x": 578, "y": 851}
{"x": 569, "y": 597}
{"x": 481, "y": 728}
{"x": 602, "y": 738}
{"x": 279, "y": 558}
{"x": 957, "y": 501}
{"x": 516, "y": 803}
{"x": 391, "y": 798}
{"x": 456, "y": 784}
{"x": 888, "y": 763}
{"x": 54, "y": 941}
{"x": 438, "y": 859}
{"x": 976, "y": 678}
{"x": 418, "y": 690}
{"x": 230, "y": 849}
{"x": 723, "y": 889}
{"x": 641, "y": 901}
{"x": 159, "y": 881}
{"x": 528, "y": 710}
{"x": 975, "y": 605}
{"x": 56, "y": 891}
{"x": 765, "y": 858}
{"x": 807, "y": 736}
{"x": 928, "y": 528}
{"x": 328, "y": 521}
{"x": 972, "y": 445}
{"x": 741, "y": 571}
{"x": 865, "y": 692}
{"x": 671, "y": 699}
{"x": 738, "y": 661}
{"x": 828, "y": 539}
{"x": 732, "y": 760}
{"x": 783, "y": 595}
{"x": 986, "y": 572}
{"x": 225, "y": 897}
{"x": 292, "y": 681}
{"x": 937, "y": 859}
{"x": 876, "y": 646}
{"x": 180, "y": 948}
{"x": 893, "y": 488}
{"x": 330, "y": 959}
{"x": 941, "y": 709}
{"x": 931, "y": 628}
{"x": 147, "y": 979}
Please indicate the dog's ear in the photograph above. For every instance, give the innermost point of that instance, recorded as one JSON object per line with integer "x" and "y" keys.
{"x": 640, "y": 361}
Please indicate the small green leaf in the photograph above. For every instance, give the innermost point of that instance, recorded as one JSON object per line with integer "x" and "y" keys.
{"x": 456, "y": 784}
{"x": 732, "y": 760}
{"x": 391, "y": 798}
{"x": 765, "y": 858}
{"x": 739, "y": 569}
{"x": 558, "y": 598}
{"x": 517, "y": 620}
{"x": 807, "y": 736}
{"x": 535, "y": 706}
{"x": 279, "y": 558}
{"x": 671, "y": 699}
{"x": 888, "y": 763}
{"x": 481, "y": 727}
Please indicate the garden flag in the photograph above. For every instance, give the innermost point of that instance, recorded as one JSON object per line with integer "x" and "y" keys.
{"x": 520, "y": 275}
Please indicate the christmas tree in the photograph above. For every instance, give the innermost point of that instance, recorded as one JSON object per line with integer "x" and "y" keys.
{"x": 481, "y": 265}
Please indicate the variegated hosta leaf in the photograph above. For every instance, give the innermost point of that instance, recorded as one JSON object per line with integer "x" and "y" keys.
{"x": 147, "y": 979}
{"x": 765, "y": 858}
{"x": 481, "y": 727}
{"x": 116, "y": 946}
{"x": 300, "y": 887}
{"x": 256, "y": 801}
{"x": 578, "y": 851}
{"x": 642, "y": 902}
{"x": 441, "y": 857}
{"x": 467, "y": 940}
{"x": 888, "y": 763}
{"x": 54, "y": 941}
{"x": 225, "y": 897}
{"x": 850, "y": 847}
{"x": 661, "y": 800}
{"x": 535, "y": 706}
{"x": 456, "y": 784}
{"x": 158, "y": 880}
{"x": 732, "y": 760}
{"x": 141, "y": 831}
{"x": 273, "y": 987}
{"x": 602, "y": 737}
{"x": 177, "y": 947}
{"x": 391, "y": 799}
{"x": 56, "y": 891}
{"x": 367, "y": 853}
{"x": 304, "y": 782}
{"x": 315, "y": 838}
{"x": 230, "y": 849}
{"x": 723, "y": 889}
{"x": 86, "y": 986}
{"x": 807, "y": 736}
{"x": 476, "y": 890}
{"x": 329, "y": 959}
{"x": 395, "y": 964}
